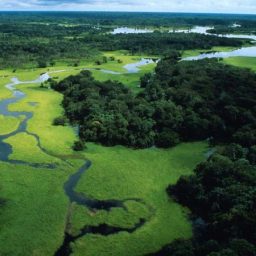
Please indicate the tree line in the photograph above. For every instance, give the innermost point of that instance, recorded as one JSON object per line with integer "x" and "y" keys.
{"x": 222, "y": 198}
{"x": 176, "y": 105}
{"x": 40, "y": 42}
{"x": 158, "y": 43}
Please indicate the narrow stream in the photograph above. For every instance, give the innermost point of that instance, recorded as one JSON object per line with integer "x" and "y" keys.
{"x": 93, "y": 205}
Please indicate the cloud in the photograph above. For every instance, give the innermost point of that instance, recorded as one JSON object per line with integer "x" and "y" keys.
{"x": 224, "y": 6}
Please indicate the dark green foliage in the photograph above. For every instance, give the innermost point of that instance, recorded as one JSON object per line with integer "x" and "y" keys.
{"x": 220, "y": 102}
{"x": 223, "y": 193}
{"x": 42, "y": 63}
{"x": 175, "y": 105}
{"x": 178, "y": 248}
{"x": 2, "y": 202}
{"x": 234, "y": 151}
{"x": 107, "y": 112}
{"x": 252, "y": 155}
{"x": 61, "y": 120}
{"x": 79, "y": 145}
{"x": 41, "y": 38}
{"x": 155, "y": 43}
{"x": 145, "y": 80}
{"x": 242, "y": 248}
{"x": 167, "y": 139}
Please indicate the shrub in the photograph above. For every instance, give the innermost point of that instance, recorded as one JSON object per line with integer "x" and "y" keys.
{"x": 79, "y": 145}
{"x": 61, "y": 120}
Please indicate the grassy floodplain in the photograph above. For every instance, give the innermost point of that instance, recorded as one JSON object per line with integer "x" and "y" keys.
{"x": 120, "y": 173}
{"x": 35, "y": 199}
{"x": 243, "y": 62}
{"x": 8, "y": 124}
{"x": 119, "y": 60}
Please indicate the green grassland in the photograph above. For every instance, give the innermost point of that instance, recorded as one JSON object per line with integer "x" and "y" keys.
{"x": 33, "y": 219}
{"x": 4, "y": 79}
{"x": 121, "y": 173}
{"x": 48, "y": 107}
{"x": 23, "y": 140}
{"x": 8, "y": 124}
{"x": 120, "y": 59}
{"x": 130, "y": 79}
{"x": 243, "y": 62}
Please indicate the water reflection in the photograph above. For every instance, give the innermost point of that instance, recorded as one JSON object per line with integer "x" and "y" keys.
{"x": 242, "y": 52}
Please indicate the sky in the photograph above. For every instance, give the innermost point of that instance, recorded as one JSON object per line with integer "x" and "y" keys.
{"x": 212, "y": 6}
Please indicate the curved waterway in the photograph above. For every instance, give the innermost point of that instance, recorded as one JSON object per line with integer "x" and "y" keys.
{"x": 130, "y": 68}
{"x": 93, "y": 205}
{"x": 69, "y": 186}
{"x": 5, "y": 148}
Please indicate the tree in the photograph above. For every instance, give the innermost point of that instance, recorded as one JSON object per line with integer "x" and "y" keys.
{"x": 242, "y": 247}
{"x": 234, "y": 151}
{"x": 167, "y": 139}
{"x": 61, "y": 120}
{"x": 252, "y": 155}
{"x": 79, "y": 145}
{"x": 178, "y": 248}
{"x": 42, "y": 63}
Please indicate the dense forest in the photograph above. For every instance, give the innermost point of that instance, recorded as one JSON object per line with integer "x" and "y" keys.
{"x": 125, "y": 18}
{"x": 175, "y": 105}
{"x": 232, "y": 30}
{"x": 29, "y": 44}
{"x": 39, "y": 39}
{"x": 157, "y": 42}
{"x": 243, "y": 27}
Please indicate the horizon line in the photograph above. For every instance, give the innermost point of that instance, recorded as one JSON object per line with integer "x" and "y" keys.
{"x": 119, "y": 11}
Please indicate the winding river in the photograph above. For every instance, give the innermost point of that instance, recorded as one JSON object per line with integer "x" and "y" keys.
{"x": 69, "y": 186}
{"x": 5, "y": 148}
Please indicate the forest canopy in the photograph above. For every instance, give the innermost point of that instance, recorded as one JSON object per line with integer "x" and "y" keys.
{"x": 175, "y": 105}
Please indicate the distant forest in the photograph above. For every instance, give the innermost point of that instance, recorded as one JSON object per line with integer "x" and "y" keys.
{"x": 126, "y": 19}
{"x": 40, "y": 39}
